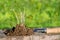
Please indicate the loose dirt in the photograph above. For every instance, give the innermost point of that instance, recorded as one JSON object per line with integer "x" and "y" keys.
{"x": 19, "y": 30}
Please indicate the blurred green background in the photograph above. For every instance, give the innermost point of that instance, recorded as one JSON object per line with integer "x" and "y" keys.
{"x": 38, "y": 13}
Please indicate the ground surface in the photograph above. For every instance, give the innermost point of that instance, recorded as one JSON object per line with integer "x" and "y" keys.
{"x": 33, "y": 37}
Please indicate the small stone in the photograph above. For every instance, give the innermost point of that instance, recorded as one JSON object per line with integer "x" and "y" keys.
{"x": 2, "y": 34}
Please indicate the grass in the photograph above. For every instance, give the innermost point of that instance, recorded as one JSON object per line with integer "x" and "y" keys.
{"x": 38, "y": 13}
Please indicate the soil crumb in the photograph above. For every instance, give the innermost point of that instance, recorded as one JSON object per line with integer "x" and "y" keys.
{"x": 19, "y": 30}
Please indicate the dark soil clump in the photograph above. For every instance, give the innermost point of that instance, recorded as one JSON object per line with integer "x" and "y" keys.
{"x": 19, "y": 30}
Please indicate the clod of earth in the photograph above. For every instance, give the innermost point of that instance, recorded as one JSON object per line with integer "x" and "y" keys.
{"x": 19, "y": 30}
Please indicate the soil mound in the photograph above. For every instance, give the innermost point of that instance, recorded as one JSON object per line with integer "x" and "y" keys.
{"x": 19, "y": 30}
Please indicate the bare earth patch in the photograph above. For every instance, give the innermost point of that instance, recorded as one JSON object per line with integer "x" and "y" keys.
{"x": 22, "y": 33}
{"x": 33, "y": 37}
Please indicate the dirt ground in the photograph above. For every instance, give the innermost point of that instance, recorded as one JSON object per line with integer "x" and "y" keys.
{"x": 33, "y": 37}
{"x": 20, "y": 32}
{"x": 30, "y": 37}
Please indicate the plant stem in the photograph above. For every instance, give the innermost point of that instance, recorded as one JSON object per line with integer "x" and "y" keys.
{"x": 16, "y": 17}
